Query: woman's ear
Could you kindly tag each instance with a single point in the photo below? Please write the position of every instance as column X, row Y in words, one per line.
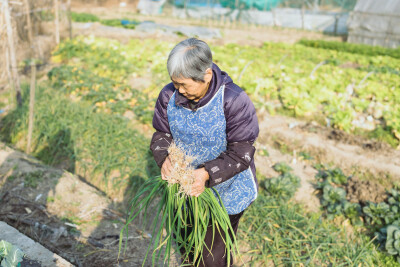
column 208, row 75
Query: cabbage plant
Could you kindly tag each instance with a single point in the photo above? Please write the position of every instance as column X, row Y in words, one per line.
column 378, row 214
column 284, row 186
column 10, row 255
column 282, row 168
column 352, row 211
column 393, row 241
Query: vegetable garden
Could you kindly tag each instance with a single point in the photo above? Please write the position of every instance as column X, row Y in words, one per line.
column 352, row 92
column 94, row 116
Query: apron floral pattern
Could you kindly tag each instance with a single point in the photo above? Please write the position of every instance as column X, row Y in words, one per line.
column 202, row 134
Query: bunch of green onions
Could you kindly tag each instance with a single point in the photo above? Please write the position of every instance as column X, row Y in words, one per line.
column 185, row 220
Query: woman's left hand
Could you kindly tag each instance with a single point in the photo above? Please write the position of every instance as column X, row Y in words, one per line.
column 200, row 178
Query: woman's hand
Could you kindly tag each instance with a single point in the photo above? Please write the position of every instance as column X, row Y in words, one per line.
column 166, row 169
column 200, row 178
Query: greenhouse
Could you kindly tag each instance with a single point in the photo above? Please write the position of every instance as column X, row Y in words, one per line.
column 375, row 23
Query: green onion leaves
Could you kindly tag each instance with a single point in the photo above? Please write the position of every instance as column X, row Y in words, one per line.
column 185, row 220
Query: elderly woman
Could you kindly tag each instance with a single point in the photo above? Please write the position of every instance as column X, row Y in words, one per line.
column 213, row 119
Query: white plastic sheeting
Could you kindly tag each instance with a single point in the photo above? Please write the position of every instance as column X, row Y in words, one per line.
column 375, row 22
column 150, row 7
column 282, row 17
column 189, row 31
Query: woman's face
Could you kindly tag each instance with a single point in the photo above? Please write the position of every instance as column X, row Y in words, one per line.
column 190, row 89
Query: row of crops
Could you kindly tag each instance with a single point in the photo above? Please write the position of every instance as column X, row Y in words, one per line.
column 81, row 115
column 86, row 17
column 104, row 148
column 352, row 92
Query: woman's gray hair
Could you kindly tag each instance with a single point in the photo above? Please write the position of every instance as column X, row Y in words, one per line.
column 189, row 59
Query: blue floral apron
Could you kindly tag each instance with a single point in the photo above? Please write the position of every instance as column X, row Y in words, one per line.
column 202, row 134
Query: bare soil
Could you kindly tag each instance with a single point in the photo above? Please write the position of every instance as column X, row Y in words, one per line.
column 303, row 169
column 29, row 263
column 349, row 152
column 374, row 166
column 64, row 213
column 365, row 191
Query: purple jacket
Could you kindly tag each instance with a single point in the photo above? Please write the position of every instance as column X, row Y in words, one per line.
column 241, row 126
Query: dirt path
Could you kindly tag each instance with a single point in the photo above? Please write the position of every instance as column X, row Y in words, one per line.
column 232, row 33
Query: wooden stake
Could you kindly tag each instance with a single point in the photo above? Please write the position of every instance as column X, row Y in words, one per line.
column 274, row 17
column 185, row 7
column 336, row 24
column 31, row 105
column 33, row 78
column 2, row 64
column 11, row 47
column 69, row 19
column 9, row 76
column 28, row 22
column 56, row 22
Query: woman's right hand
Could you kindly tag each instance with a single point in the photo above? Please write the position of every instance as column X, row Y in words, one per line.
column 166, row 169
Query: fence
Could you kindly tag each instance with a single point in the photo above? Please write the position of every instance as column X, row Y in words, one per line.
column 24, row 29
column 28, row 30
column 329, row 16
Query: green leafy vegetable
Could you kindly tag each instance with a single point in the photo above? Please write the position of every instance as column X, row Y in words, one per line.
column 352, row 211
column 329, row 176
column 393, row 241
column 378, row 214
column 10, row 255
column 283, row 186
column 333, row 199
column 333, row 195
column 84, row 17
column 282, row 167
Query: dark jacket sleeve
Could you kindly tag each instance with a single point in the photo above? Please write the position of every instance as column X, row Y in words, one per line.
column 159, row 146
column 162, row 138
column 242, row 130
